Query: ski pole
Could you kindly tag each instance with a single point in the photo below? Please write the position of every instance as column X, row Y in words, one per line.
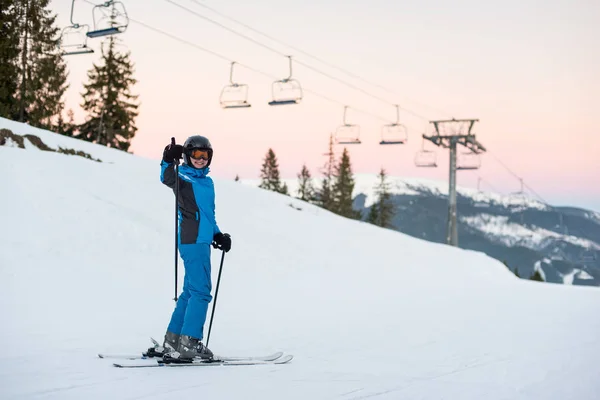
column 176, row 161
column 212, row 314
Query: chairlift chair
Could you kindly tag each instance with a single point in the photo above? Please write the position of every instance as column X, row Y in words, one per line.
column 395, row 133
column 234, row 95
column 468, row 161
column 425, row 158
column 110, row 18
column 347, row 133
column 286, row 91
column 73, row 39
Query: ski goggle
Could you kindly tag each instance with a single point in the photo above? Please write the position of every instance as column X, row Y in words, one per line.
column 199, row 154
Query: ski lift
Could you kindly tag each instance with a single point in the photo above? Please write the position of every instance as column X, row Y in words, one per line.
column 425, row 158
column 286, row 91
column 234, row 95
column 347, row 133
column 468, row 161
column 394, row 133
column 110, row 18
column 73, row 39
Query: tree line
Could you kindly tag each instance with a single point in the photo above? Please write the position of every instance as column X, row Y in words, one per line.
column 33, row 79
column 334, row 192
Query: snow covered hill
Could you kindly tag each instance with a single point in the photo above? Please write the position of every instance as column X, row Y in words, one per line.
column 562, row 243
column 86, row 265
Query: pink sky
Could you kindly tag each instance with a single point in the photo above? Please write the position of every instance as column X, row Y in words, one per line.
column 526, row 69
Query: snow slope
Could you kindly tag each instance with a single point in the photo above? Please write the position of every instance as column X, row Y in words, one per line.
column 496, row 228
column 86, row 265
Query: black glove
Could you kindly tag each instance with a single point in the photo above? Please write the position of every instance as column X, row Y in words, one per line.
column 173, row 152
column 222, row 241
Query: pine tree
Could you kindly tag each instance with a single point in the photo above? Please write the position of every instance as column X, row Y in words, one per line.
column 382, row 211
column 9, row 56
column 111, row 106
column 516, row 271
column 67, row 128
column 306, row 190
column 42, row 73
column 324, row 197
column 373, row 215
column 343, row 187
column 237, row 178
column 536, row 276
column 269, row 174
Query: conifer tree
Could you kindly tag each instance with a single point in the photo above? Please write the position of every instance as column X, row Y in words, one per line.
column 536, row 276
column 41, row 71
column 111, row 106
column 269, row 174
column 237, row 178
column 382, row 211
column 67, row 128
column 324, row 196
column 343, row 187
column 9, row 56
column 373, row 214
column 306, row 190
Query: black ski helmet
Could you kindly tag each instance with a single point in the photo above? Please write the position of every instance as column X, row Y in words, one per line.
column 197, row 142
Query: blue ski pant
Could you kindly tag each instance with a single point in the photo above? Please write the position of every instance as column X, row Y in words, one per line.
column 190, row 312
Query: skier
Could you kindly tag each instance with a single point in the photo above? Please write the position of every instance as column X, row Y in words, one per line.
column 198, row 229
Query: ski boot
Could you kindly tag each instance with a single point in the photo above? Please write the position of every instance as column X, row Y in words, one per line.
column 170, row 344
column 189, row 349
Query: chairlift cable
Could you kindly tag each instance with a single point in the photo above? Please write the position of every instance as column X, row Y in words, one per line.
column 222, row 57
column 226, row 28
column 345, row 71
column 515, row 175
column 285, row 55
column 350, row 85
column 325, row 74
column 489, row 184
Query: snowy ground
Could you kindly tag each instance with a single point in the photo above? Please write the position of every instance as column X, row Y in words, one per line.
column 86, row 266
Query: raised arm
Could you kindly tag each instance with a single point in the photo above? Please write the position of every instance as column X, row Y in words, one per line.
column 167, row 167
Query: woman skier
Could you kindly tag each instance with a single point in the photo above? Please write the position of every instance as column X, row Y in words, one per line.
column 198, row 229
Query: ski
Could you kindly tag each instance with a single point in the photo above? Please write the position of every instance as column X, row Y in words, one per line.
column 144, row 356
column 150, row 363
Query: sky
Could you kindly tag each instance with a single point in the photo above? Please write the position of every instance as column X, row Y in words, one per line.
column 366, row 312
column 525, row 69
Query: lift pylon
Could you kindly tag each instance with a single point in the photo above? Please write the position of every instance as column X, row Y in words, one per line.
column 449, row 134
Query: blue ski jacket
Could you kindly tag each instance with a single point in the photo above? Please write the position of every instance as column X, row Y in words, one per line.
column 196, row 206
